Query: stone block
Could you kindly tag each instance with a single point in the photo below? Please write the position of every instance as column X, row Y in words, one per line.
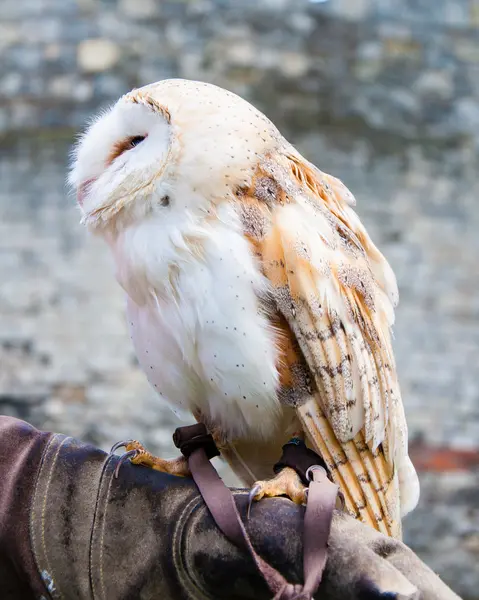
column 435, row 84
column 294, row 64
column 9, row 34
column 397, row 48
column 467, row 49
column 97, row 55
column 139, row 9
column 351, row 10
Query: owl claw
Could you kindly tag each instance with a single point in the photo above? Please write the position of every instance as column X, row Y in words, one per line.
column 130, row 454
column 252, row 493
column 115, row 447
column 286, row 483
column 137, row 455
column 127, row 455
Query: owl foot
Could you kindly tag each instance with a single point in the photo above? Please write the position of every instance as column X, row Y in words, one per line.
column 286, row 483
column 137, row 455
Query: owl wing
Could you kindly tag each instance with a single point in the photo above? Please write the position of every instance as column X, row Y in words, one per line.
column 335, row 293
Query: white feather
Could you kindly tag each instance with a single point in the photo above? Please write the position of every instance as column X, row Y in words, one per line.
column 199, row 336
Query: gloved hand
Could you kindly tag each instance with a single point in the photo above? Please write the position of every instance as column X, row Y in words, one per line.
column 70, row 529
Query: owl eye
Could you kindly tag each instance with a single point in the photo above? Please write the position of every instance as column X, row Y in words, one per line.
column 134, row 141
column 123, row 146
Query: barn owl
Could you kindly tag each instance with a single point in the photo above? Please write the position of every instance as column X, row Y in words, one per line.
column 255, row 297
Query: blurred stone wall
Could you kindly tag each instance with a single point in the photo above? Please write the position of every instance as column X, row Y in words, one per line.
column 383, row 94
column 410, row 68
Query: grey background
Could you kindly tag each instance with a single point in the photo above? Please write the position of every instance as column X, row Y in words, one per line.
column 381, row 93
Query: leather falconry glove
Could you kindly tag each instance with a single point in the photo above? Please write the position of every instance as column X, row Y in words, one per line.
column 70, row 529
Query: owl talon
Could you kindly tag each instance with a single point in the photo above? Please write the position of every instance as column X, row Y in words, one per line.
column 130, row 455
column 286, row 483
column 251, row 496
column 137, row 455
column 118, row 445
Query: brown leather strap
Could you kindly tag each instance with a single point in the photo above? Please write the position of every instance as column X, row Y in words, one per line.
column 317, row 522
column 322, row 495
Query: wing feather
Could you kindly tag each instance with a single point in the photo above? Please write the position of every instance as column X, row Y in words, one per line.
column 337, row 294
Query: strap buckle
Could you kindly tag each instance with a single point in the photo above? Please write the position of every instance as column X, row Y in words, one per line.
column 312, row 468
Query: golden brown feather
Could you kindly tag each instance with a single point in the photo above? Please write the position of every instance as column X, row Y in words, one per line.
column 326, row 349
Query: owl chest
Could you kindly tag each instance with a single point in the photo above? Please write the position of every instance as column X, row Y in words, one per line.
column 206, row 345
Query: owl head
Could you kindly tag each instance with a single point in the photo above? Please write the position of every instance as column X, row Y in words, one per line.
column 172, row 150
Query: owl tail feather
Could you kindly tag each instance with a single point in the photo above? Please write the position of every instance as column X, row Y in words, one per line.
column 366, row 479
column 408, row 485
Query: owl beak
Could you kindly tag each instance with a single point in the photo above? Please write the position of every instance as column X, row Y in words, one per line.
column 83, row 190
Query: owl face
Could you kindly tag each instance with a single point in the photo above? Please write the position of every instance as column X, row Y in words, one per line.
column 118, row 163
column 177, row 144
